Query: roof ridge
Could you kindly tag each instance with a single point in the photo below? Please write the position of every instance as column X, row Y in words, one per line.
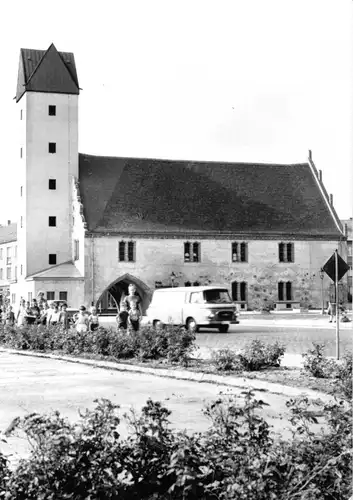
column 301, row 164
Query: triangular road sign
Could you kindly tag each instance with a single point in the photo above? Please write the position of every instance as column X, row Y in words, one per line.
column 330, row 267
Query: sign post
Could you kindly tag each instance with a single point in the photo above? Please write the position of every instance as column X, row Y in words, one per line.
column 337, row 310
column 336, row 268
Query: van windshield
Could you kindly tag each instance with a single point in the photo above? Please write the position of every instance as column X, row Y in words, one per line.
column 217, row 297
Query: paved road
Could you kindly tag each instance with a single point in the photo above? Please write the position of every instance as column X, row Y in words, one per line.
column 30, row 384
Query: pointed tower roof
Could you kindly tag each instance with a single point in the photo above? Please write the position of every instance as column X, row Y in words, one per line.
column 46, row 71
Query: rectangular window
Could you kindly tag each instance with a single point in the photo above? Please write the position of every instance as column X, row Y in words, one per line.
column 234, row 252
column 21, row 269
column 52, row 110
column 280, row 290
column 50, row 295
column 196, row 252
column 21, row 152
column 52, row 221
column 21, row 190
column 52, row 259
column 285, row 292
column 21, row 114
column 13, row 298
column 8, row 256
column 21, row 221
column 122, row 245
column 8, row 273
column 1, row 274
column 63, row 296
column 131, row 251
column 239, row 291
column 30, row 296
column 192, row 252
column 286, row 252
column 52, row 183
column 52, row 147
column 76, row 249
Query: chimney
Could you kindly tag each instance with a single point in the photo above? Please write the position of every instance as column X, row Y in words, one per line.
column 320, row 175
column 8, row 222
column 310, row 155
column 331, row 199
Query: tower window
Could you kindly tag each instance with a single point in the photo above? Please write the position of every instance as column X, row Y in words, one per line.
column 21, row 152
column 21, row 190
column 21, row 114
column 52, row 221
column 52, row 147
column 52, row 259
column 52, row 183
column 76, row 249
column 52, row 110
column 21, row 221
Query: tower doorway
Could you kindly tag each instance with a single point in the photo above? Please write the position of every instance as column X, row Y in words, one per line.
column 111, row 298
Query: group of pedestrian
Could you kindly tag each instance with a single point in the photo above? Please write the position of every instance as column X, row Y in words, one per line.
column 130, row 314
column 40, row 312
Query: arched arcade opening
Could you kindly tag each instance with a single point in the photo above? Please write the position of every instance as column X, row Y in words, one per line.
column 111, row 298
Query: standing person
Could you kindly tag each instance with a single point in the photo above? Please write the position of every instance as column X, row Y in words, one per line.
column 331, row 311
column 93, row 321
column 122, row 317
column 44, row 313
column 134, row 317
column 64, row 317
column 133, row 297
column 20, row 317
column 9, row 317
column 54, row 315
column 81, row 322
column 35, row 312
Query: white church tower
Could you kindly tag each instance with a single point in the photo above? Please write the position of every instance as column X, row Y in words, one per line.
column 47, row 102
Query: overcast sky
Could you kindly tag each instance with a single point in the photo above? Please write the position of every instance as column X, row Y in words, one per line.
column 240, row 80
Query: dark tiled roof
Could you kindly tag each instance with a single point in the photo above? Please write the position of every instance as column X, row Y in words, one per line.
column 164, row 196
column 8, row 233
column 46, row 71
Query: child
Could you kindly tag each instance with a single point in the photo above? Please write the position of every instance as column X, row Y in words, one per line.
column 54, row 316
column 93, row 320
column 10, row 317
column 81, row 322
column 134, row 317
column 64, row 318
column 122, row 317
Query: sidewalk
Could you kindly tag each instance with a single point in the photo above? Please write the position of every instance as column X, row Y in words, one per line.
column 292, row 320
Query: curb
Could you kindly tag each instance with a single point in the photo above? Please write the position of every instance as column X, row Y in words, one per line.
column 238, row 382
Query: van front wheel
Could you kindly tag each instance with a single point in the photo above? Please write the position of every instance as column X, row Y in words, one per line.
column 223, row 328
column 192, row 325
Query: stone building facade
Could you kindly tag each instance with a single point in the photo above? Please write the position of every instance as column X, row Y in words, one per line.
column 90, row 225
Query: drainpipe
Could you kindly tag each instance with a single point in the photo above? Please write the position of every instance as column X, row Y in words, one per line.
column 92, row 269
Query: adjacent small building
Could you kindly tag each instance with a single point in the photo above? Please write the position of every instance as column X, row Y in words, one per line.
column 90, row 225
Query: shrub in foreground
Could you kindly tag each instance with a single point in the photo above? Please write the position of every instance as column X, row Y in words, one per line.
column 172, row 343
column 237, row 458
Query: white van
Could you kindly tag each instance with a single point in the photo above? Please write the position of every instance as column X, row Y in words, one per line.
column 194, row 307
